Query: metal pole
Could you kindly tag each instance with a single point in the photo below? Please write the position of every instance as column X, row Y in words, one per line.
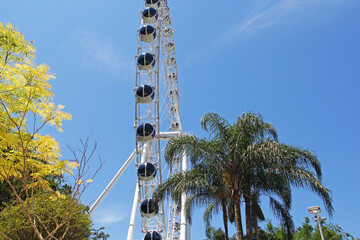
column 184, row 223
column 112, row 182
column 134, row 209
column 188, row 236
column 318, row 219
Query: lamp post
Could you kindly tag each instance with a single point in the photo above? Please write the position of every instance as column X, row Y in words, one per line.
column 316, row 210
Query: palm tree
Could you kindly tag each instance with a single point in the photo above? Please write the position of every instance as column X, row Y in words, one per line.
column 246, row 157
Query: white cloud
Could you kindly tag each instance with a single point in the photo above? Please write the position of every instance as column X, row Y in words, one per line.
column 103, row 55
column 109, row 215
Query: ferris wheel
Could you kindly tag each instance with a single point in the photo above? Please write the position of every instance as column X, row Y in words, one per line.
column 157, row 119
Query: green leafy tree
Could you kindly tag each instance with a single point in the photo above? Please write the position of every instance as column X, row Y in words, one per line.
column 306, row 232
column 273, row 233
column 97, row 234
column 332, row 232
column 48, row 211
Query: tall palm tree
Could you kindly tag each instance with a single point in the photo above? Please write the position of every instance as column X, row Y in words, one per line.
column 247, row 157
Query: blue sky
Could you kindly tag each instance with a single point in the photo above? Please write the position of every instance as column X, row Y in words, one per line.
column 297, row 62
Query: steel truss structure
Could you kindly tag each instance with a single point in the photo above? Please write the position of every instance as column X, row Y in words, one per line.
column 157, row 119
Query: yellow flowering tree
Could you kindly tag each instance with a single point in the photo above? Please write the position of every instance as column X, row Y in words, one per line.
column 26, row 154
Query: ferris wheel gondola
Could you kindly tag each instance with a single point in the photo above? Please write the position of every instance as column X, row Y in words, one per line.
column 144, row 94
column 146, row 171
column 146, row 61
column 150, row 15
column 147, row 33
column 149, row 208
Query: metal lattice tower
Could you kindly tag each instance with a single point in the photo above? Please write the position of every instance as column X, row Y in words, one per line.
column 157, row 118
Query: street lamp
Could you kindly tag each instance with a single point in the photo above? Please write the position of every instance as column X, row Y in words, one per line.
column 316, row 210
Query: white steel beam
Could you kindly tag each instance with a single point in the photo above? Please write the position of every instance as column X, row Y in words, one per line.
column 112, row 182
column 134, row 209
column 167, row 135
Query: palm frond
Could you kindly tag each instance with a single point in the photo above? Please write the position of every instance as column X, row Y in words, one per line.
column 284, row 215
column 215, row 125
column 195, row 200
column 304, row 178
column 252, row 128
column 256, row 209
column 212, row 209
column 191, row 181
column 197, row 150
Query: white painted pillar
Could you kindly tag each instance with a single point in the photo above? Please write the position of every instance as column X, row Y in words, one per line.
column 135, row 207
column 134, row 210
column 184, row 223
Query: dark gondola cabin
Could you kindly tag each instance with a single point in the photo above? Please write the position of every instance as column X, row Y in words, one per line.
column 145, row 132
column 146, row 171
column 144, row 94
column 147, row 33
column 149, row 15
column 149, row 208
column 146, row 61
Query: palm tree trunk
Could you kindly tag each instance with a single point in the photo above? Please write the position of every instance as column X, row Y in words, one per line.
column 239, row 231
column 249, row 235
column 241, row 226
column 256, row 226
column 254, row 217
column 225, row 219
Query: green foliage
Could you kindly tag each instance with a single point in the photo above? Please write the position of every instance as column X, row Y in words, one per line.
column 7, row 195
column 49, row 210
column 97, row 234
column 217, row 234
column 306, row 232
column 331, row 232
column 273, row 233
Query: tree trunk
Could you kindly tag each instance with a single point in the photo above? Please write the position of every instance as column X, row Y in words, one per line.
column 249, row 235
column 239, row 231
column 254, row 213
column 256, row 226
column 225, row 219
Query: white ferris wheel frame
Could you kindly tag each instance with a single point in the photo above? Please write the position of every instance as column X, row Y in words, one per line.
column 164, row 44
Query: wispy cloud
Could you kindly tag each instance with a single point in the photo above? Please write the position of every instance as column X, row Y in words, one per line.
column 109, row 215
column 274, row 12
column 103, row 55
